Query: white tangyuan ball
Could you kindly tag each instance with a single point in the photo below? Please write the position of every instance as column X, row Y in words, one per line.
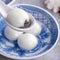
column 11, row 34
column 35, row 29
column 17, row 17
column 27, row 41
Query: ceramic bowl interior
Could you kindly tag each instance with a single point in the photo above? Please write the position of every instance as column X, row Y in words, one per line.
column 47, row 39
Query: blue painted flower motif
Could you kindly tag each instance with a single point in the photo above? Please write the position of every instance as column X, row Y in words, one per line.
column 7, row 1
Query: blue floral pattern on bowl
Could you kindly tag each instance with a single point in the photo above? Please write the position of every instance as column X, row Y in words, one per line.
column 46, row 39
column 8, row 1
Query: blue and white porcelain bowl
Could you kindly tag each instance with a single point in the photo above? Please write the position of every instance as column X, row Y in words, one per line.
column 47, row 39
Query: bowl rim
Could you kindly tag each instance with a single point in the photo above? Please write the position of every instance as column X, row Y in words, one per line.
column 9, row 56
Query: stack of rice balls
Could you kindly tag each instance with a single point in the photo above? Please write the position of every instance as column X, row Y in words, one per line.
column 26, row 40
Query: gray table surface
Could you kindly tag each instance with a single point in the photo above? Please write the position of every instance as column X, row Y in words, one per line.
column 54, row 54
